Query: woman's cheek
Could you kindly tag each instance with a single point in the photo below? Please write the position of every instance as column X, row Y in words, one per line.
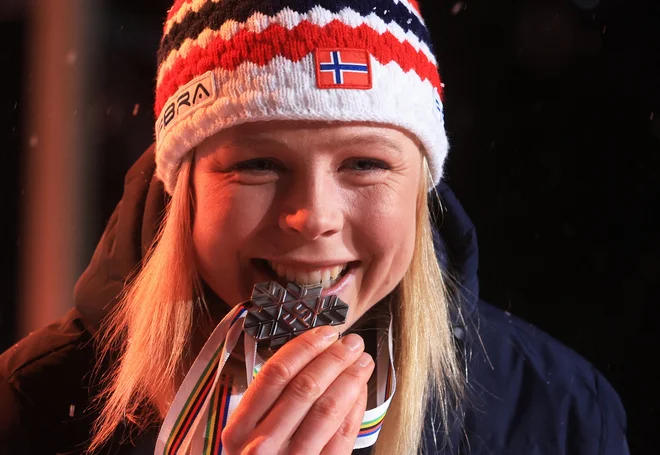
column 235, row 213
column 394, row 230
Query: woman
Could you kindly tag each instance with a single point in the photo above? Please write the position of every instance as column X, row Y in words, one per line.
column 296, row 143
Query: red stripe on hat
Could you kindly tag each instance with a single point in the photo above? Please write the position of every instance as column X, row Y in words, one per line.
column 415, row 5
column 294, row 44
column 176, row 7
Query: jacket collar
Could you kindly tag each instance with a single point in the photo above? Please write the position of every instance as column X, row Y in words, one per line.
column 455, row 240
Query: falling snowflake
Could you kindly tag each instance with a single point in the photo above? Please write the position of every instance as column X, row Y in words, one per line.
column 457, row 8
column 71, row 57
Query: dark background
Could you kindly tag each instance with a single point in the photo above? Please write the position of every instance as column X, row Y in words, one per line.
column 553, row 113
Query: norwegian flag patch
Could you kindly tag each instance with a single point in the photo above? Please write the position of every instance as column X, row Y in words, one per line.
column 343, row 68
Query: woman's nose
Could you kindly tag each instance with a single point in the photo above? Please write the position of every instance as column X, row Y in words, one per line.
column 316, row 214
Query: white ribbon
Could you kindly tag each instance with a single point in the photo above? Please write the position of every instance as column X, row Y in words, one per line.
column 226, row 334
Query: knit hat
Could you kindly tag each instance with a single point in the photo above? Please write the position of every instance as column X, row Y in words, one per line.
column 226, row 62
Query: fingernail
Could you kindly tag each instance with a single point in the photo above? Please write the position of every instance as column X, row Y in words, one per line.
column 352, row 342
column 364, row 360
column 327, row 333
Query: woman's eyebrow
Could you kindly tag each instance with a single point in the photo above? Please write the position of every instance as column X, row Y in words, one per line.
column 357, row 140
column 252, row 142
column 362, row 140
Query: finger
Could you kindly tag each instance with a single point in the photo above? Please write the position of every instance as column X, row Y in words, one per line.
column 344, row 439
column 310, row 384
column 330, row 411
column 273, row 377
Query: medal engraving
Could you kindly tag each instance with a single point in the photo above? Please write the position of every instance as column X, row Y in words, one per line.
column 276, row 314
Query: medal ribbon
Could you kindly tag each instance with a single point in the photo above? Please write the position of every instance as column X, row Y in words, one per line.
column 207, row 397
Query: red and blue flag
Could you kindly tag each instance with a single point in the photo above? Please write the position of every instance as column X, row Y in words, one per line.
column 343, row 68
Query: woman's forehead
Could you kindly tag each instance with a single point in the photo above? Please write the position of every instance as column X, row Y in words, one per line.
column 321, row 135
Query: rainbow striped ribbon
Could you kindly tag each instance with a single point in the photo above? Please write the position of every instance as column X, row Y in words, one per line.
column 192, row 399
column 218, row 415
column 207, row 397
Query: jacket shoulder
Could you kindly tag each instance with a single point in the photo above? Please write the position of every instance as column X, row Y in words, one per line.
column 47, row 346
column 529, row 393
column 45, row 386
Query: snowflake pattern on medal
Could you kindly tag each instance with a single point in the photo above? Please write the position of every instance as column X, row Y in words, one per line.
column 277, row 314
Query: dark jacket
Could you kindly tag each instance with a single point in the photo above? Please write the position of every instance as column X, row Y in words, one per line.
column 527, row 393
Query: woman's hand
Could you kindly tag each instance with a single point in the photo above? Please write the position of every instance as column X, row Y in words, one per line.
column 308, row 398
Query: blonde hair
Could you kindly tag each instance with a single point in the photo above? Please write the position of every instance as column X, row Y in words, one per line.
column 149, row 333
column 425, row 356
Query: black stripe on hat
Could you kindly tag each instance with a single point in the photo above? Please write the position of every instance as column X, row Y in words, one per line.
column 213, row 14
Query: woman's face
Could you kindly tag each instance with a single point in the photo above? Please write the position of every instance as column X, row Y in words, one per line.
column 306, row 202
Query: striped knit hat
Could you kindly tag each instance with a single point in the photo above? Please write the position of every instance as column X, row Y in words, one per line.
column 226, row 62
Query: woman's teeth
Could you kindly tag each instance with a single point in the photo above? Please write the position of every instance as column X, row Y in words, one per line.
column 326, row 277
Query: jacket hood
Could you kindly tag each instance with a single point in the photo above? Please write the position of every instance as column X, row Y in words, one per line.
column 127, row 237
column 134, row 223
column 455, row 239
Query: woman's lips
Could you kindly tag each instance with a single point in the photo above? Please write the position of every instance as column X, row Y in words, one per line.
column 306, row 274
column 344, row 280
column 346, row 276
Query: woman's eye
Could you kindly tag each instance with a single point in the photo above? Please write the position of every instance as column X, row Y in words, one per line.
column 257, row 165
column 367, row 164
